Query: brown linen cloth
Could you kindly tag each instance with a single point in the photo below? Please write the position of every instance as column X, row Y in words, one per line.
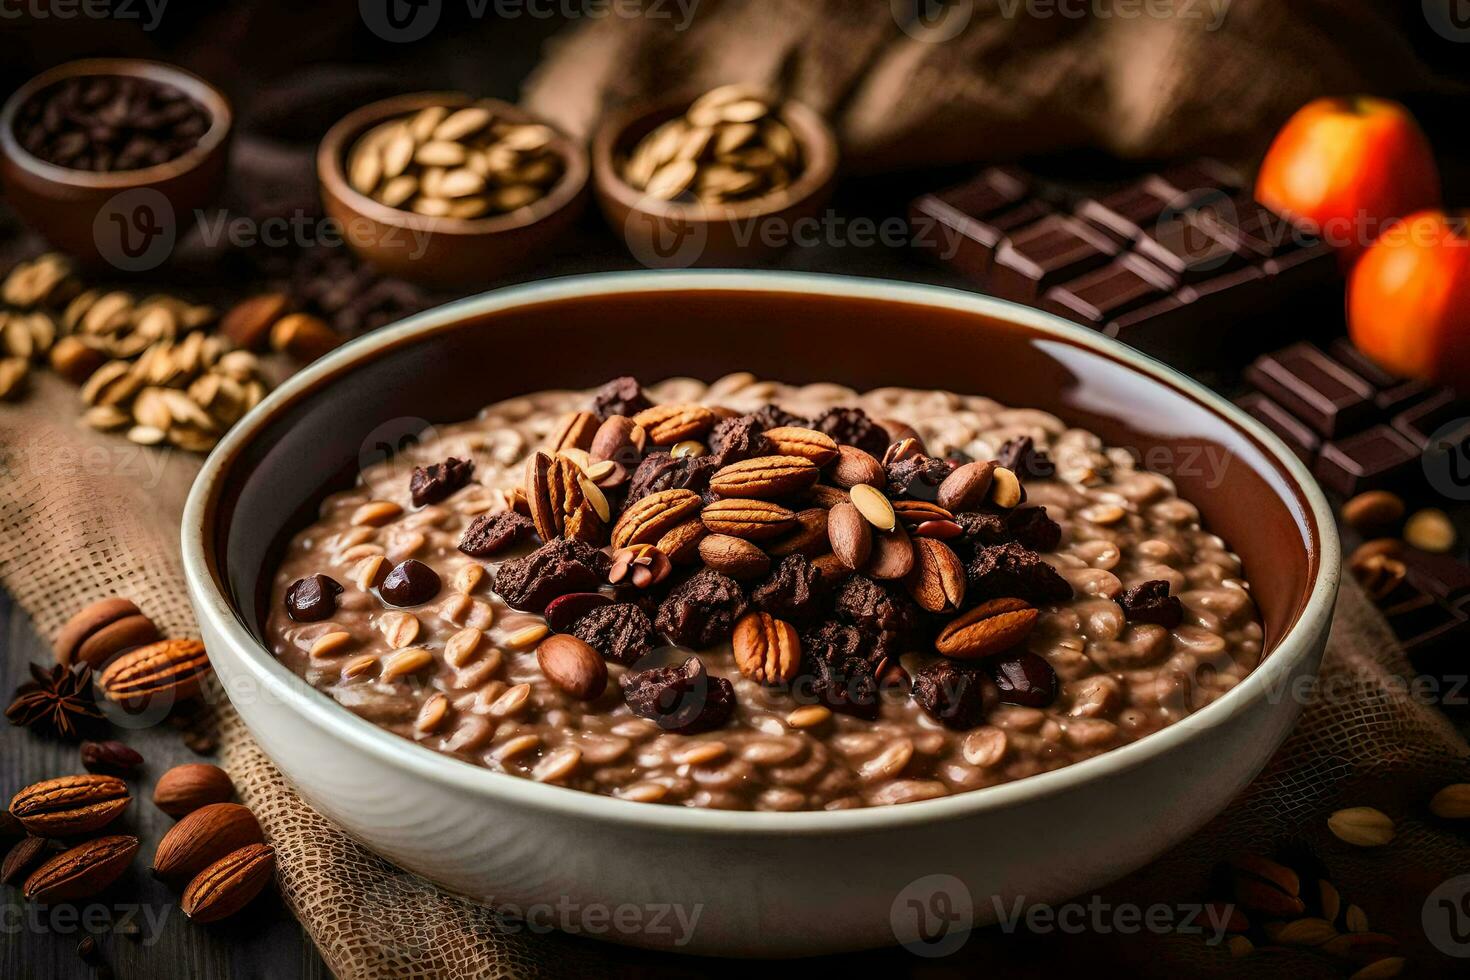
column 83, row 515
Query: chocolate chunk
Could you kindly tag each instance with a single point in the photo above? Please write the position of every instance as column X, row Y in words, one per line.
column 1010, row 571
column 839, row 661
column 490, row 534
column 1292, row 431
column 1047, row 252
column 1096, row 297
column 409, row 583
column 1024, row 678
column 791, row 592
column 973, row 218
column 702, row 611
column 883, row 610
column 1188, row 248
column 957, row 697
column 312, row 599
column 852, row 427
column 738, row 439
column 1394, row 394
column 431, row 484
column 620, row 396
column 563, row 611
column 1314, row 388
column 685, row 699
column 1030, row 527
column 556, row 568
column 1419, row 423
column 660, row 471
column 1125, row 213
column 917, row 477
column 1375, row 458
column 1150, row 602
column 1021, row 457
column 621, row 632
column 773, row 416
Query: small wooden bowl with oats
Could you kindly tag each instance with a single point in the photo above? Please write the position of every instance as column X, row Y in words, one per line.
column 727, row 178
column 448, row 190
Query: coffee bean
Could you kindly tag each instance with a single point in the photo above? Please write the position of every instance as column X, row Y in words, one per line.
column 313, row 598
column 410, row 583
column 110, row 123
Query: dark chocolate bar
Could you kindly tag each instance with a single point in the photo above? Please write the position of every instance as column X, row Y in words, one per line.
column 1053, row 250
column 1315, row 388
column 1291, row 430
column 1122, row 285
column 1376, row 458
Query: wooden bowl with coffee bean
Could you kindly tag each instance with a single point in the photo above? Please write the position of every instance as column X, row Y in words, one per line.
column 448, row 190
column 730, row 177
column 108, row 157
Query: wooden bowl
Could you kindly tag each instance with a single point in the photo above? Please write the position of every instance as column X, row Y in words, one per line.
column 446, row 252
column 676, row 234
column 92, row 215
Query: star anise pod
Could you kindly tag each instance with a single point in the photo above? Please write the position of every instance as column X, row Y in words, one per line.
column 58, row 702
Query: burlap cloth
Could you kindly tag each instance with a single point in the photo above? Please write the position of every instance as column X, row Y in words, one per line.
column 84, row 515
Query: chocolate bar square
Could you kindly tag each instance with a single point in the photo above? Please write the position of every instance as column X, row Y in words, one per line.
column 1301, row 439
column 1313, row 387
column 1372, row 459
column 964, row 224
column 1047, row 252
column 1094, row 297
column 1124, row 214
column 1419, row 423
column 1394, row 394
column 1184, row 245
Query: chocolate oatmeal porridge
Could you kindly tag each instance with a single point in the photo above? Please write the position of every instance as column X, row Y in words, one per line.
column 750, row 595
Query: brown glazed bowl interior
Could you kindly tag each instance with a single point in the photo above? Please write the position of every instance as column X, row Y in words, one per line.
column 446, row 252
column 663, row 233
column 64, row 204
column 445, row 365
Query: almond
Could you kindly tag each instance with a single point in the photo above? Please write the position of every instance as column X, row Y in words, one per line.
column 967, row 487
column 853, row 466
column 556, row 492
column 184, row 789
column 82, row 871
column 203, row 837
column 70, row 805
column 229, row 884
column 101, row 630
column 754, row 520
column 764, row 477
column 767, row 649
column 993, row 626
column 850, row 534
column 734, row 557
column 893, row 555
column 647, row 520
column 572, row 665
column 808, row 538
column 681, row 543
column 620, row 440
column 1452, row 802
column 304, row 337
column 576, row 430
column 668, row 424
column 937, row 581
column 825, row 496
column 794, row 440
column 1373, row 510
column 168, row 671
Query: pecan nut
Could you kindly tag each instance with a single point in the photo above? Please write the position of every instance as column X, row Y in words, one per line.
column 576, row 430
column 764, row 477
column 169, row 669
column 648, row 520
column 795, row 440
column 668, row 424
column 70, row 805
column 990, row 628
column 560, row 502
column 229, row 884
column 937, row 581
column 767, row 649
column 754, row 520
column 82, row 871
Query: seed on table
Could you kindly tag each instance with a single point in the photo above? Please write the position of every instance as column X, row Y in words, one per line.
column 1356, row 920
column 1362, row 826
column 1430, row 530
column 1452, row 802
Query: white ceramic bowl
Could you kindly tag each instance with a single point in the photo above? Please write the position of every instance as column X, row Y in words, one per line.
column 760, row 884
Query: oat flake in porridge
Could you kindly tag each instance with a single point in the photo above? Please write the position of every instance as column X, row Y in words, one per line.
column 750, row 595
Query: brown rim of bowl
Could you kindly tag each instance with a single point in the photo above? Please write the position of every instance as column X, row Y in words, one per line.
column 220, row 120
column 818, row 147
column 332, row 152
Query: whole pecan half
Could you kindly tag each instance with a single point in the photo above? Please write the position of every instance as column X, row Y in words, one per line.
column 668, row 424
column 648, row 520
column 754, row 520
column 990, row 628
column 764, row 477
column 171, row 670
column 70, row 805
column 767, row 650
column 228, row 885
column 82, row 871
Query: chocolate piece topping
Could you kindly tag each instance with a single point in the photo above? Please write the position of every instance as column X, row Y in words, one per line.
column 660, row 471
column 918, row 477
column 1151, row 602
column 556, row 568
column 312, row 599
column 702, row 611
column 621, row 632
column 409, row 583
column 957, row 697
column 852, row 427
column 620, row 396
column 1010, row 571
column 431, row 484
column 1024, row 678
column 839, row 661
column 490, row 534
column 772, row 416
column 738, row 439
column 791, row 592
column 1022, row 458
column 685, row 699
